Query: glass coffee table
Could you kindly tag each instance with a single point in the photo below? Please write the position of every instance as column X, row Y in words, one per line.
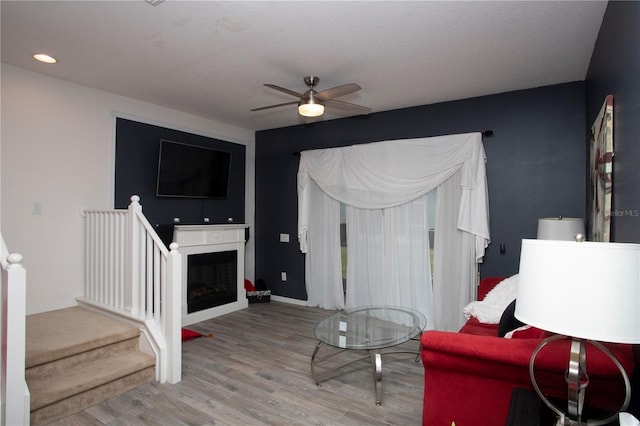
column 371, row 329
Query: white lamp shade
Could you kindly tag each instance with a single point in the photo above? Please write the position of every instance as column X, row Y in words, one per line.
column 560, row 228
column 587, row 290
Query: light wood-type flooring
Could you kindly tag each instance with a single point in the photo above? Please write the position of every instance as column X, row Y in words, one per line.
column 255, row 370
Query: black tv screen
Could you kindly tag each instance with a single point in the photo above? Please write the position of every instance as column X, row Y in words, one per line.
column 192, row 171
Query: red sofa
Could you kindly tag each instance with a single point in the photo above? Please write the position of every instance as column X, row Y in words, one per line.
column 469, row 375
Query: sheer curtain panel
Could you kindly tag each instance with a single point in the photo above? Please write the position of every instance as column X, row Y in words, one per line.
column 323, row 264
column 389, row 257
column 454, row 281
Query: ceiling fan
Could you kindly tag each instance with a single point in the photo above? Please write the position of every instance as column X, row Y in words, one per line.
column 312, row 103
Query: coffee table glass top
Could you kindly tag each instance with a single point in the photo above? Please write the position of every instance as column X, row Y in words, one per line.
column 373, row 327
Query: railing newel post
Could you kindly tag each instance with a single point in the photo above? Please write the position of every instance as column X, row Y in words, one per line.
column 173, row 314
column 15, row 393
column 132, row 282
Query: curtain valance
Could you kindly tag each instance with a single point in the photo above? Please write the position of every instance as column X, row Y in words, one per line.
column 390, row 173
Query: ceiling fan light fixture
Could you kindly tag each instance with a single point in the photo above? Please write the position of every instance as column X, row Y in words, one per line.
column 311, row 107
column 311, row 104
column 311, row 110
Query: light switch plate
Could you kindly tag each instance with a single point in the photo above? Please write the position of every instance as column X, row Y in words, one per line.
column 284, row 238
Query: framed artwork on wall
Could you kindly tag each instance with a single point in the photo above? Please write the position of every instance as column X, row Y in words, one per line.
column 601, row 155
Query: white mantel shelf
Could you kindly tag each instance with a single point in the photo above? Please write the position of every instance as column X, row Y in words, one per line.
column 197, row 239
column 197, row 235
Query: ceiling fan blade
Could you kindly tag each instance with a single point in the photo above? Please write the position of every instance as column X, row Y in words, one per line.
column 336, row 92
column 275, row 106
column 282, row 89
column 347, row 106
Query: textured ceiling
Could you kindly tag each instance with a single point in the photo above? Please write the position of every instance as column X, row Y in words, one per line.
column 211, row 58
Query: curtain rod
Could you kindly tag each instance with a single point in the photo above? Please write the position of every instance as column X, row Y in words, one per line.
column 486, row 133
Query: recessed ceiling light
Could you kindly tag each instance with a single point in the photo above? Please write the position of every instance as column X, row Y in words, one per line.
column 45, row 58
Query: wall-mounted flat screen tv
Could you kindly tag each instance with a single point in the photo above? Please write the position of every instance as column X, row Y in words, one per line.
column 192, row 171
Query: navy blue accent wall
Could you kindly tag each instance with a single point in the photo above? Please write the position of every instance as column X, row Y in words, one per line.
column 136, row 168
column 615, row 70
column 535, row 168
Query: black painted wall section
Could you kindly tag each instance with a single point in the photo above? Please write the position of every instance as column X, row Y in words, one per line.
column 536, row 164
column 615, row 70
column 136, row 168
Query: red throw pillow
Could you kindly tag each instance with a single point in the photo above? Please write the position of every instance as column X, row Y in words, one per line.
column 248, row 286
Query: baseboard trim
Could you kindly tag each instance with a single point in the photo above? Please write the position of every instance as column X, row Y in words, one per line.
column 289, row 300
column 49, row 308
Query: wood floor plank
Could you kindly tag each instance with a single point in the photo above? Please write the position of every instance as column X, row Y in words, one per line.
column 255, row 370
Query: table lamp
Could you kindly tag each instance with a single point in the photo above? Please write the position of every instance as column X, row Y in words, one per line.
column 560, row 228
column 585, row 291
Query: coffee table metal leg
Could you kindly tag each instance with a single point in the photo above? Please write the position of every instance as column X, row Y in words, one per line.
column 376, row 364
column 313, row 357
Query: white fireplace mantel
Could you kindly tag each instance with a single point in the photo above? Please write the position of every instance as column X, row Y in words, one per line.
column 197, row 239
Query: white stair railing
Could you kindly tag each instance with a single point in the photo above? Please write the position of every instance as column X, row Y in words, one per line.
column 14, row 393
column 130, row 272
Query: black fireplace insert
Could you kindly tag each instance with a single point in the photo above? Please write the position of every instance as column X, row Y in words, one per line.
column 211, row 280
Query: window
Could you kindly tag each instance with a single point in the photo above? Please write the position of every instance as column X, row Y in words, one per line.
column 388, row 248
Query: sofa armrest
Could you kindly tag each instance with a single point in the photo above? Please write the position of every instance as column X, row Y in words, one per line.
column 469, row 377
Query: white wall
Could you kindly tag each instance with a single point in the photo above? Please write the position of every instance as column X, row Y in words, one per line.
column 57, row 152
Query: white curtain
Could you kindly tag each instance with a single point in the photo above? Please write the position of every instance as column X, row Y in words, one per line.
column 323, row 269
column 388, row 174
column 389, row 258
column 454, row 281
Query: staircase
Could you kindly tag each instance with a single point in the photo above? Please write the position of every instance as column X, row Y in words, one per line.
column 76, row 358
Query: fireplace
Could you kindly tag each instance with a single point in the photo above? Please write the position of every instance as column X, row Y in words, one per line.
column 211, row 280
column 213, row 270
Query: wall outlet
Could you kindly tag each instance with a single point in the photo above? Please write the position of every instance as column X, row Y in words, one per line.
column 284, row 238
column 283, row 276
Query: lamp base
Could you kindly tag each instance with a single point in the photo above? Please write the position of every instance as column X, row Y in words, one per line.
column 526, row 409
column 577, row 382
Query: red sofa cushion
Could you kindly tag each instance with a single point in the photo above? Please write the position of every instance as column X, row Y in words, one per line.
column 475, row 327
